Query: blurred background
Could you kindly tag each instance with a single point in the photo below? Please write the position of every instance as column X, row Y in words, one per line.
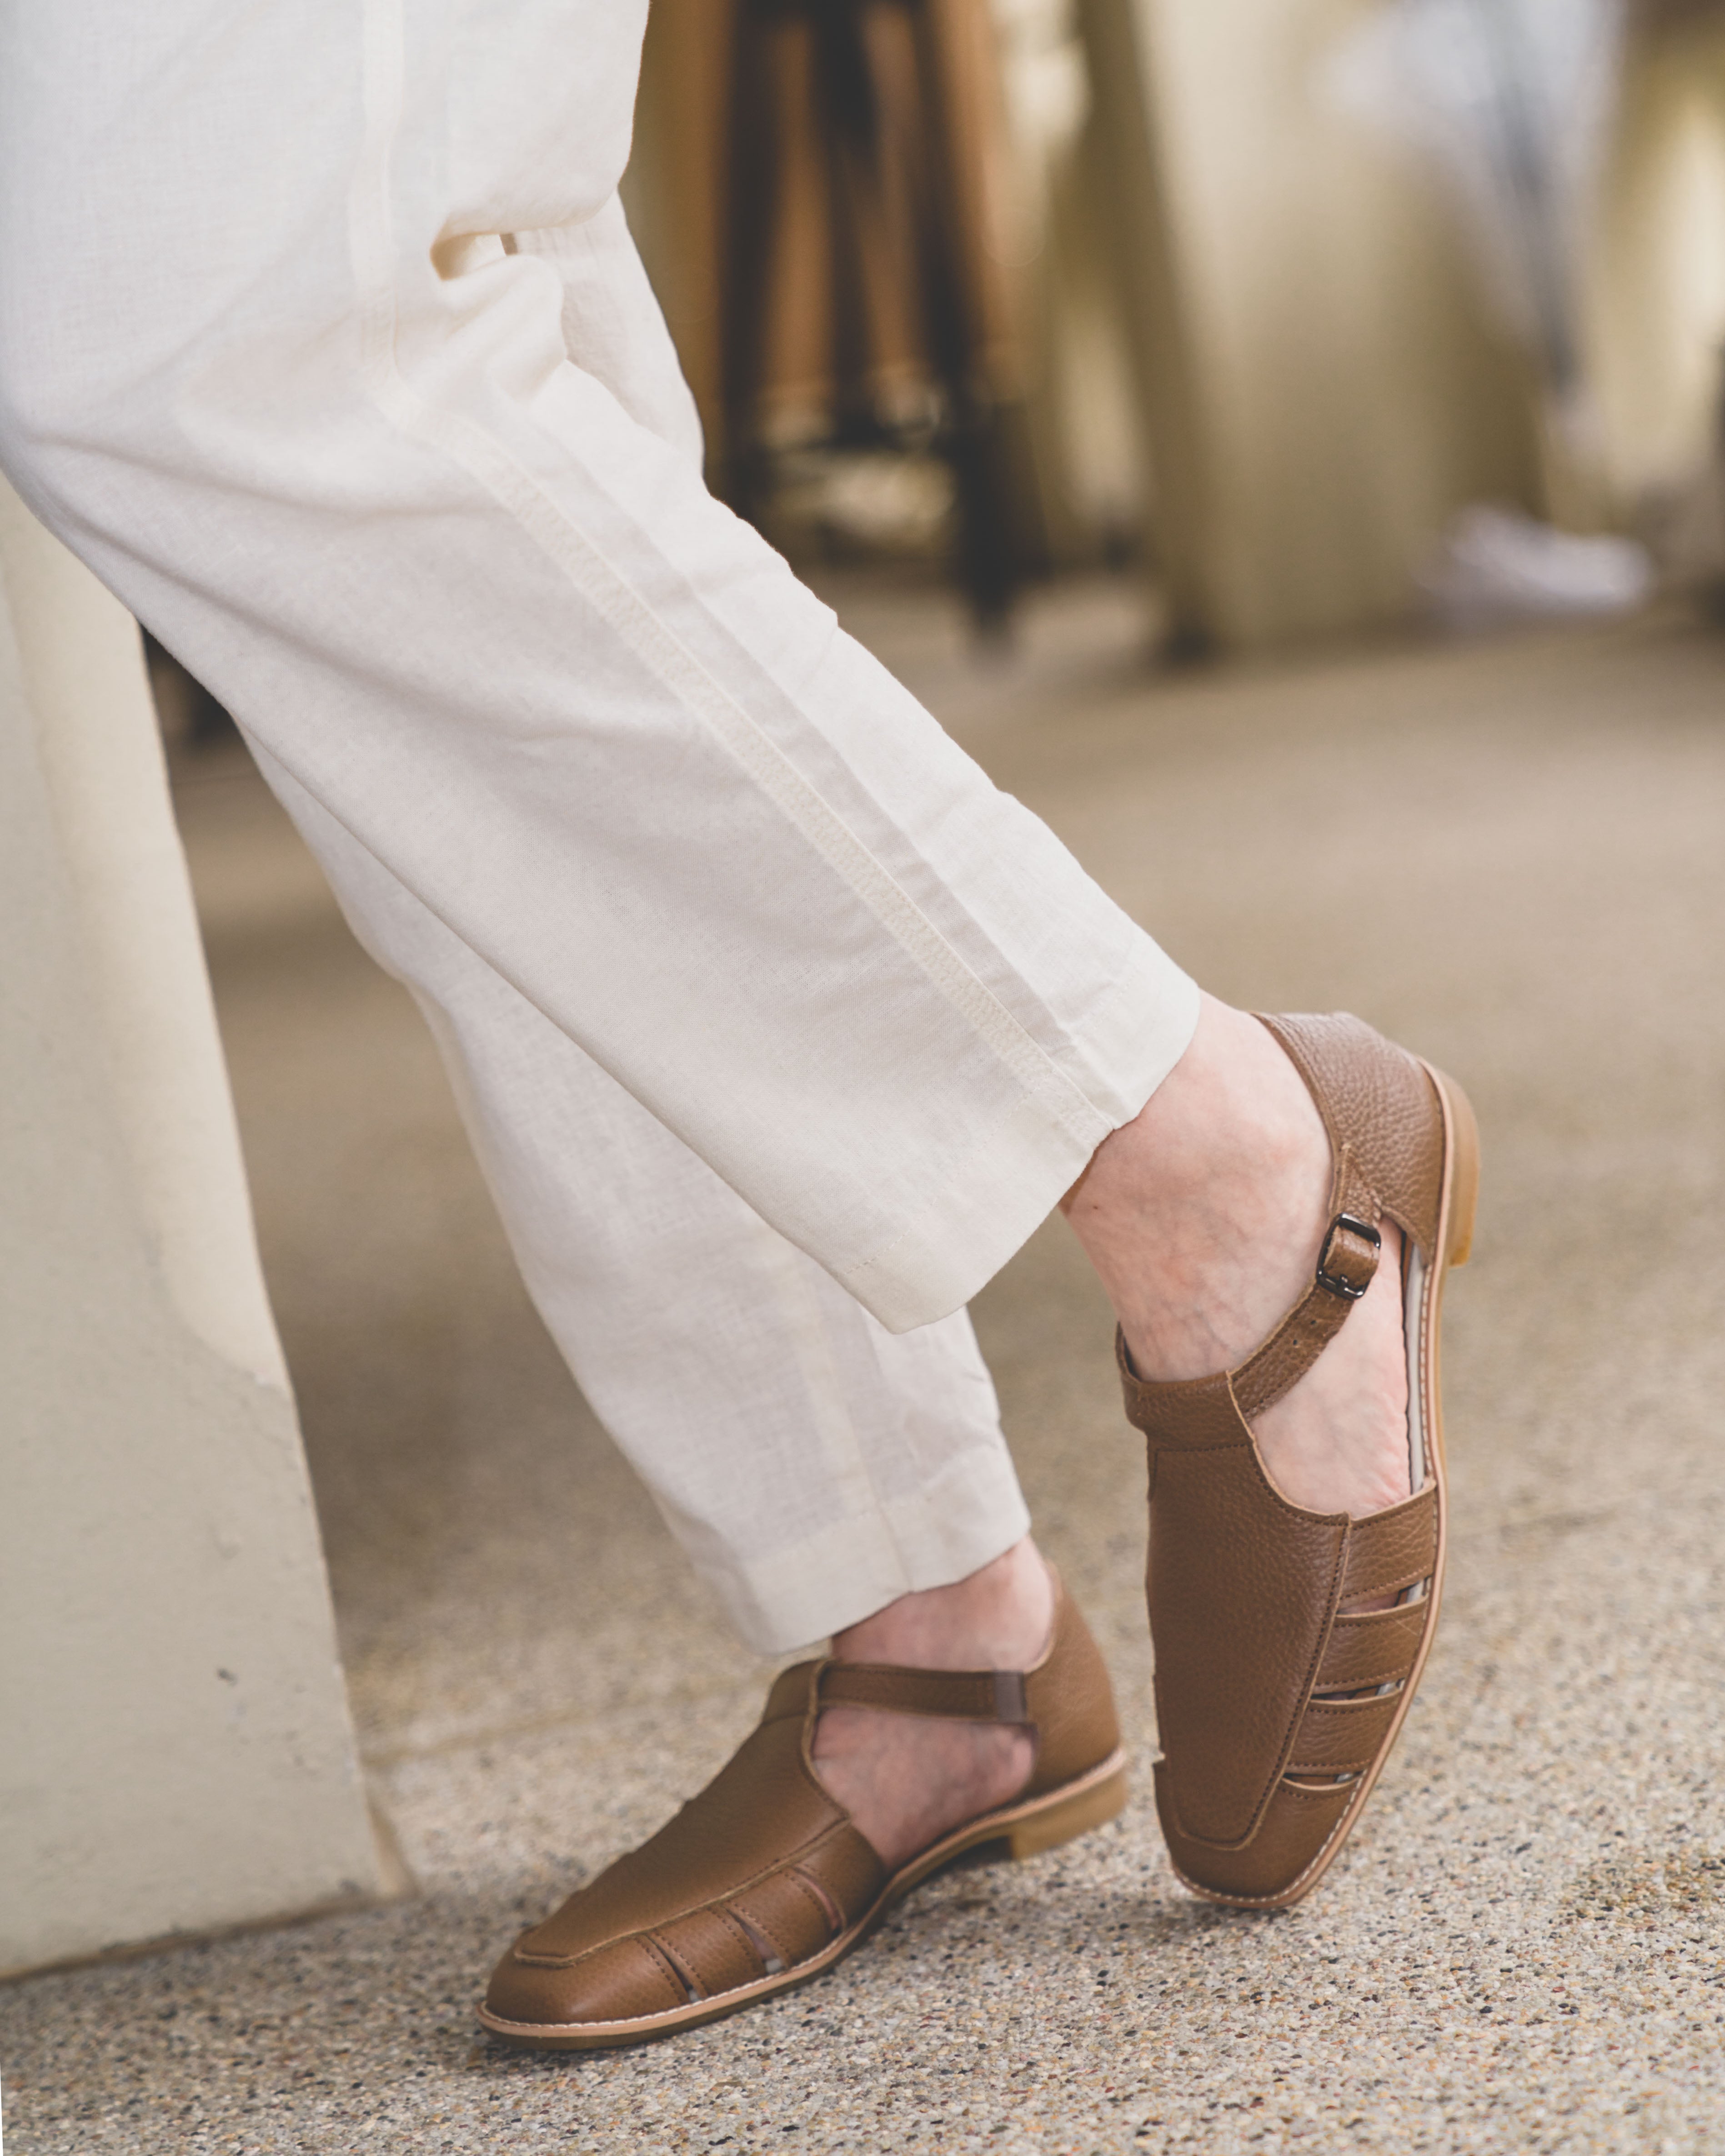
column 1261, row 297
column 1319, row 319
column 1281, row 440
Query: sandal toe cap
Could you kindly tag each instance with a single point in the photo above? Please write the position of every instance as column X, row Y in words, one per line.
column 623, row 1980
column 1298, row 1826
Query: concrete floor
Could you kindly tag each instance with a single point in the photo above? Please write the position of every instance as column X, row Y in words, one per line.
column 1510, row 856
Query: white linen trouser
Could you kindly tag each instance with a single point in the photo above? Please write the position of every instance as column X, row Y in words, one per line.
column 322, row 340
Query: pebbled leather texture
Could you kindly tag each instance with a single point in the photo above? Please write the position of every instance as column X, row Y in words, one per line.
column 1070, row 1704
column 1277, row 1697
column 1227, row 1686
column 763, row 1871
column 1378, row 1104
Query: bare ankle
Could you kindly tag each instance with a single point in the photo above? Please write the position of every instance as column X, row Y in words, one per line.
column 1203, row 1216
column 905, row 1780
column 1203, row 1219
column 997, row 1617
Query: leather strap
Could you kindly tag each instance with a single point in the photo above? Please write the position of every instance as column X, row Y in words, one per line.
column 1372, row 1647
column 1347, row 1266
column 950, row 1695
column 1389, row 1550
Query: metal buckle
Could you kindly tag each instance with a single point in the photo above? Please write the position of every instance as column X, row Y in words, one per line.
column 1333, row 1282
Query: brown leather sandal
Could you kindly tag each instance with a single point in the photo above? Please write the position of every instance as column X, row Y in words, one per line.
column 1278, row 1696
column 763, row 1882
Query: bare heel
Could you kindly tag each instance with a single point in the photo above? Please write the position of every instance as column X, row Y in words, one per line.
column 1074, row 1815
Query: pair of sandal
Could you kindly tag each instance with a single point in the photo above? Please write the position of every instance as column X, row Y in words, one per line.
column 1288, row 1644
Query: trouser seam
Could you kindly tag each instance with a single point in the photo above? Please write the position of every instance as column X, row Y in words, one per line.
column 407, row 410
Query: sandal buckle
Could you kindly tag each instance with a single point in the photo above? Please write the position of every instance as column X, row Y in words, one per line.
column 1349, row 1290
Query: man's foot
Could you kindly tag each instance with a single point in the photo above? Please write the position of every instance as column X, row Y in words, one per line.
column 905, row 1779
column 764, row 1880
column 1203, row 1217
column 1253, row 1242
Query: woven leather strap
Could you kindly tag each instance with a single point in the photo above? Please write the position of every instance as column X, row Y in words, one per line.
column 950, row 1695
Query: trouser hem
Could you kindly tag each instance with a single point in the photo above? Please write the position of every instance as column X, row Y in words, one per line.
column 1019, row 1169
column 969, row 1513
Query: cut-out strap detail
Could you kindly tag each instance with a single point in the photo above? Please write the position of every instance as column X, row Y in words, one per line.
column 1389, row 1550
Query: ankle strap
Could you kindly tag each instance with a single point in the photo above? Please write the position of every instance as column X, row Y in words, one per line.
column 1171, row 1411
column 951, row 1695
column 1352, row 1077
column 1346, row 1265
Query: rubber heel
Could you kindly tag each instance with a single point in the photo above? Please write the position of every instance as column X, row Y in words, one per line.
column 1065, row 1821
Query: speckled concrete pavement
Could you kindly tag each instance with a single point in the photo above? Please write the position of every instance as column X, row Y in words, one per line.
column 1510, row 856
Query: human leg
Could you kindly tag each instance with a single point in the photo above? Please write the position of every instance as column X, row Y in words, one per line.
column 340, row 460
column 489, row 621
column 1202, row 1246
column 814, row 1467
column 823, row 1474
column 613, row 328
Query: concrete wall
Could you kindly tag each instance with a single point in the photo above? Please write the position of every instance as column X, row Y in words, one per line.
column 177, row 1754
